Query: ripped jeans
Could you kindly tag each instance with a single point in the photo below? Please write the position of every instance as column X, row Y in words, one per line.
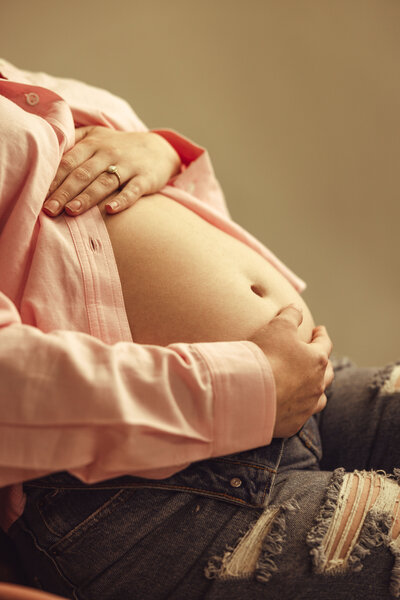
column 313, row 516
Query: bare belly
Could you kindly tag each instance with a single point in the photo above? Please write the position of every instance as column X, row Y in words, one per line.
column 184, row 280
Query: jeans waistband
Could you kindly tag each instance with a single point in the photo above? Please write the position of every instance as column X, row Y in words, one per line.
column 245, row 478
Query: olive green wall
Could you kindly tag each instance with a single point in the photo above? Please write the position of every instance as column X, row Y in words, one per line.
column 298, row 102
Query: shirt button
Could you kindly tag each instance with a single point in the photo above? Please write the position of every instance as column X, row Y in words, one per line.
column 32, row 98
column 235, row 482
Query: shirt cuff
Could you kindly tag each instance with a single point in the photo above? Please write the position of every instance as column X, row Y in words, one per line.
column 244, row 395
column 187, row 150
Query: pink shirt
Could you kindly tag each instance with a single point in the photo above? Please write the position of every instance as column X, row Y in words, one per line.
column 76, row 393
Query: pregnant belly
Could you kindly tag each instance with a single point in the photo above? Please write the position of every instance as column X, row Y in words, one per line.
column 184, row 280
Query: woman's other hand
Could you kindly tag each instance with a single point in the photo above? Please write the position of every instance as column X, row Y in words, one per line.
column 145, row 162
column 302, row 371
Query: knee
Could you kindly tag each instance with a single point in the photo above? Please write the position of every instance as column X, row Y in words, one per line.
column 362, row 496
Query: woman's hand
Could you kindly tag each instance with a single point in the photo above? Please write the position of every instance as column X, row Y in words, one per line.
column 302, row 371
column 144, row 161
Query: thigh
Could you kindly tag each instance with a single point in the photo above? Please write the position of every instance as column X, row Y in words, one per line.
column 316, row 540
column 360, row 424
column 128, row 543
column 154, row 545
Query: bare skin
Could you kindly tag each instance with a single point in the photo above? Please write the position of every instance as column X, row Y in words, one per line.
column 231, row 294
column 81, row 181
column 302, row 371
column 185, row 280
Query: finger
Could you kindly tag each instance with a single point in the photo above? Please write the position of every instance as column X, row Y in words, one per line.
column 72, row 162
column 82, row 132
column 74, row 156
column 321, row 338
column 132, row 191
column 101, row 187
column 292, row 313
column 329, row 375
column 73, row 185
column 320, row 405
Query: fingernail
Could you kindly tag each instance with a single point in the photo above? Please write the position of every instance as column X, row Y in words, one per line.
column 53, row 206
column 74, row 206
column 113, row 205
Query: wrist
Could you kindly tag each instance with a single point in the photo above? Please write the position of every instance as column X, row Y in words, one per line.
column 171, row 153
column 187, row 150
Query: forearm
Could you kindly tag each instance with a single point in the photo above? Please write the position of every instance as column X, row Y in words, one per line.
column 70, row 402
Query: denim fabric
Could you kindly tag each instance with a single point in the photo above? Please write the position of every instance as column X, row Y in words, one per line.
column 148, row 539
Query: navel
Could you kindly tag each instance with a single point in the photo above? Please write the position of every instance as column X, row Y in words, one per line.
column 258, row 289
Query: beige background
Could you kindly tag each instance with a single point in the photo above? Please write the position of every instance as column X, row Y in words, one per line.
column 298, row 102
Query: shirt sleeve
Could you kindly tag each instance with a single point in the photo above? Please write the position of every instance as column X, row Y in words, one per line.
column 197, row 176
column 68, row 401
column 90, row 105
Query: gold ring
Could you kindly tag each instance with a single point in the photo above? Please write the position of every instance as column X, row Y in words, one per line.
column 112, row 169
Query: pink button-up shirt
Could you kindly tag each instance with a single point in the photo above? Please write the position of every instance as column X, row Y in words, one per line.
column 76, row 393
